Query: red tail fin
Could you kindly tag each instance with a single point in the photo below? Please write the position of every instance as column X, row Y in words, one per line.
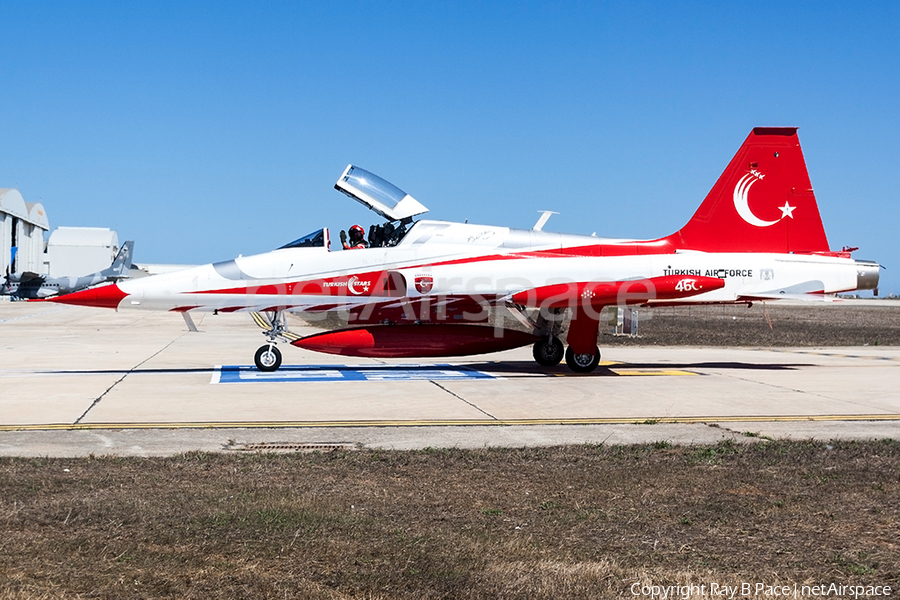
column 763, row 202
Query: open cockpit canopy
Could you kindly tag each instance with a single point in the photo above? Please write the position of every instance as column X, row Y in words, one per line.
column 379, row 195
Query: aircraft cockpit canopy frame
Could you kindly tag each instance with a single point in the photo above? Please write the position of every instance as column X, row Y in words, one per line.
column 316, row 239
column 378, row 194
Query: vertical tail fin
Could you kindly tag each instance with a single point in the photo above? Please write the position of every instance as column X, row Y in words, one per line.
column 763, row 202
column 122, row 263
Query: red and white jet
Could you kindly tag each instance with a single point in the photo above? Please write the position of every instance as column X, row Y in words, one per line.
column 435, row 288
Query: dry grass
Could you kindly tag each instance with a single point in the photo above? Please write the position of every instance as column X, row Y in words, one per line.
column 566, row 522
column 765, row 325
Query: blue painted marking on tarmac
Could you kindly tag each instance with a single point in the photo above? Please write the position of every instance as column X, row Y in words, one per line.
column 319, row 373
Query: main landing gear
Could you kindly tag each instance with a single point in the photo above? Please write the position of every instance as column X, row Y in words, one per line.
column 549, row 352
column 582, row 363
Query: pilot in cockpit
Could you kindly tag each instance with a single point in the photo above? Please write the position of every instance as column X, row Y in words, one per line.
column 357, row 238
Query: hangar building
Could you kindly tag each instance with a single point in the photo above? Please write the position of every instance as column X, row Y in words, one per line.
column 77, row 251
column 22, row 227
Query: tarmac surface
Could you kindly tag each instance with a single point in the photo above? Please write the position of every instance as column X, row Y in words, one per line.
column 77, row 381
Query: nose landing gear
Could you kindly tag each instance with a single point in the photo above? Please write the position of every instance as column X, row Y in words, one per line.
column 274, row 326
column 268, row 358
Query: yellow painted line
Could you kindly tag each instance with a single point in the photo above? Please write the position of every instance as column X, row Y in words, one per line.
column 643, row 420
column 670, row 373
column 624, row 370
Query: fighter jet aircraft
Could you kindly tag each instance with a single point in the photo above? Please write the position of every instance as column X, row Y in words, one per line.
column 436, row 288
column 32, row 286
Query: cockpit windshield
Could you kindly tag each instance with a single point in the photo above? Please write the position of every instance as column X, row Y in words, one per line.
column 316, row 239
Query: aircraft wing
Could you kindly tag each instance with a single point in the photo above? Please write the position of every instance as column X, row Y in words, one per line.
column 29, row 279
column 807, row 291
column 607, row 293
column 462, row 330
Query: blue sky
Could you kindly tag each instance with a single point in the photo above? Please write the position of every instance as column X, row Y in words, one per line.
column 207, row 130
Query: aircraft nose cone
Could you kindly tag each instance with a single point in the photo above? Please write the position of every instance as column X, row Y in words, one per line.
column 107, row 296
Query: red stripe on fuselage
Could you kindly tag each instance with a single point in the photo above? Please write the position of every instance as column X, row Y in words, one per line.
column 334, row 286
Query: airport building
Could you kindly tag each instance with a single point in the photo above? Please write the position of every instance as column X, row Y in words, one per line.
column 22, row 228
column 69, row 251
column 77, row 251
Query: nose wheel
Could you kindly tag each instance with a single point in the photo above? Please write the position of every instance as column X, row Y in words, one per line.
column 582, row 363
column 274, row 326
column 267, row 358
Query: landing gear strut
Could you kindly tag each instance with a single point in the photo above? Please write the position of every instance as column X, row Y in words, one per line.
column 548, row 352
column 268, row 356
column 582, row 363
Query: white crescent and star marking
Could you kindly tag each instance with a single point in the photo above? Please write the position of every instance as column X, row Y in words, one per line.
column 352, row 282
column 742, row 188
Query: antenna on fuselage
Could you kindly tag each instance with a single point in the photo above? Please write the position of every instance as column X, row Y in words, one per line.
column 542, row 220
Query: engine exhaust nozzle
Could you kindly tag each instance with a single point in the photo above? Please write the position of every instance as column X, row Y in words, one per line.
column 867, row 273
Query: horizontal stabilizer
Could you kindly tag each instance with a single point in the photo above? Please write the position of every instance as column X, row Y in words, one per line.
column 799, row 297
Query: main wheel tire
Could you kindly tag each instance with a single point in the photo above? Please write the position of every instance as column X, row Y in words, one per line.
column 267, row 358
column 582, row 363
column 548, row 352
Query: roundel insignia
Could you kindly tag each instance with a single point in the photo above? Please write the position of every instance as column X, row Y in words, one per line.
column 424, row 284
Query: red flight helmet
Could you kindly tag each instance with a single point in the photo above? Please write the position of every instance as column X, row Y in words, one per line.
column 357, row 233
